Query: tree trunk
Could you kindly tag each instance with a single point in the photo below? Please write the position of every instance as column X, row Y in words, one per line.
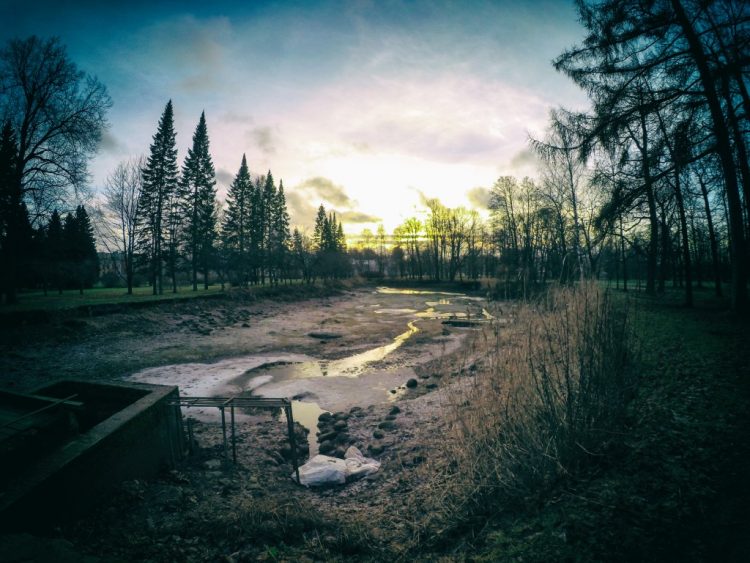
column 686, row 262
column 712, row 239
column 724, row 149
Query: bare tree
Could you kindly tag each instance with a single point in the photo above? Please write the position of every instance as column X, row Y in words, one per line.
column 122, row 193
column 58, row 113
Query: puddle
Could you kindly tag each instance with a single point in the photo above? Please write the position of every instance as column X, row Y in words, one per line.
column 395, row 311
column 396, row 291
column 307, row 415
column 319, row 385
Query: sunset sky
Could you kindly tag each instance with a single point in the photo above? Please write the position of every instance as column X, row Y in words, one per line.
column 365, row 106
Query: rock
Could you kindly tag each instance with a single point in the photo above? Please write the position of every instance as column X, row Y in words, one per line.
column 245, row 325
column 431, row 386
column 387, row 425
column 327, row 436
column 375, row 449
column 394, row 410
column 378, row 434
column 342, row 438
column 326, row 447
column 339, row 453
column 340, row 425
column 393, row 391
column 412, row 383
column 325, row 417
column 340, row 416
column 355, row 410
column 324, row 335
column 390, row 417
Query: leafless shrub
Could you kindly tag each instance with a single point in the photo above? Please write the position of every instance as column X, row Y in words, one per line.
column 549, row 400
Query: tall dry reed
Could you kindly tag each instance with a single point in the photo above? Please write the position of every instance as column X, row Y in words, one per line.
column 548, row 401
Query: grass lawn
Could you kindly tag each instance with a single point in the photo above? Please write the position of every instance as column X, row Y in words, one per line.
column 68, row 299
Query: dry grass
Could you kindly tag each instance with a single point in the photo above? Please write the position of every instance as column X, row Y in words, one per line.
column 548, row 400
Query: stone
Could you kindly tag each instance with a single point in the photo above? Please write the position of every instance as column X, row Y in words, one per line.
column 387, row 425
column 326, row 447
column 378, row 434
column 412, row 383
column 327, row 436
column 340, row 425
column 375, row 449
column 342, row 438
column 325, row 417
column 394, row 410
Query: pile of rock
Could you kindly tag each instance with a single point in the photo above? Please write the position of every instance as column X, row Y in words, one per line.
column 333, row 434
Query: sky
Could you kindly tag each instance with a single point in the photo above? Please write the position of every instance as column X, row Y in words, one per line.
column 369, row 107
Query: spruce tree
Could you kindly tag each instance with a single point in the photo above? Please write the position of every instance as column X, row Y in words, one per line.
column 320, row 226
column 86, row 249
column 10, row 202
column 268, row 197
column 198, row 198
column 279, row 231
column 159, row 185
column 237, row 223
column 54, row 250
column 256, row 229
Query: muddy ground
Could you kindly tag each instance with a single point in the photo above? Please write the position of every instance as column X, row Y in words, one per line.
column 210, row 508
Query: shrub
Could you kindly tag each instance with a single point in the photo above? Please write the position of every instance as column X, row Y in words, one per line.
column 548, row 402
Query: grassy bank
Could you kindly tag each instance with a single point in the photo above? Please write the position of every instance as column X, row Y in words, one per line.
column 663, row 480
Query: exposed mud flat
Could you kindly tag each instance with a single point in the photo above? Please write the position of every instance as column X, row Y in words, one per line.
column 353, row 377
column 373, row 343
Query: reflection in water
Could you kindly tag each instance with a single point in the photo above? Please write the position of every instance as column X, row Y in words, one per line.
column 351, row 366
column 307, row 415
column 395, row 291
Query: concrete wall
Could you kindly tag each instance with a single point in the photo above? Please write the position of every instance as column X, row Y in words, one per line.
column 135, row 442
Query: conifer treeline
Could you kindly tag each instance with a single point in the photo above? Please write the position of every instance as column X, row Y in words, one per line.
column 179, row 226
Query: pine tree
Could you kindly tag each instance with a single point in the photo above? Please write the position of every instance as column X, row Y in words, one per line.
column 320, row 226
column 279, row 232
column 198, row 199
column 236, row 229
column 159, row 185
column 267, row 199
column 54, row 250
column 10, row 214
column 256, row 229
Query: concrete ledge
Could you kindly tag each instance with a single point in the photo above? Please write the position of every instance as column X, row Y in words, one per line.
column 134, row 442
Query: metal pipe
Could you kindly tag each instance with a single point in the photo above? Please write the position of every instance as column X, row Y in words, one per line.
column 292, row 439
column 234, row 438
column 224, row 430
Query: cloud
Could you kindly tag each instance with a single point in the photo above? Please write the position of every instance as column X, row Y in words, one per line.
column 326, row 189
column 357, row 217
column 301, row 211
column 264, row 139
column 111, row 144
column 479, row 197
column 195, row 51
column 224, row 177
column 524, row 161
